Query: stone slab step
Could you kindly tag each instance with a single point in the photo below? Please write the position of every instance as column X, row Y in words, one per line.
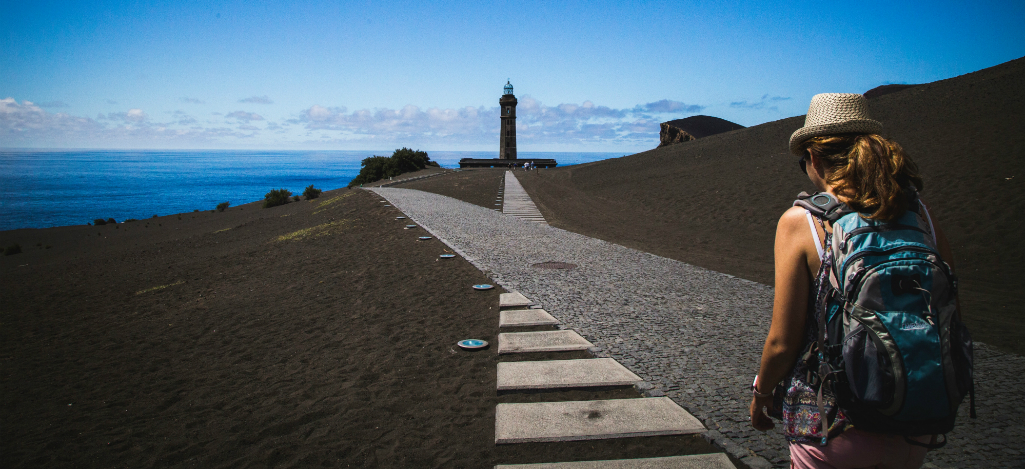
column 518, row 203
column 554, row 374
column 591, row 420
column 513, row 300
column 693, row 461
column 542, row 341
column 525, row 317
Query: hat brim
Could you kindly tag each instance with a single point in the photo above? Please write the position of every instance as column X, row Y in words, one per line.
column 860, row 126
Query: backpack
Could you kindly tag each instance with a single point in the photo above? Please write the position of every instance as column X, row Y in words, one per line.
column 896, row 354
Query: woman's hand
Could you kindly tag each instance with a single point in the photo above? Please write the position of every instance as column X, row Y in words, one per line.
column 759, row 419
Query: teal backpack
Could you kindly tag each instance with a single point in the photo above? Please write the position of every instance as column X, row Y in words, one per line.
column 897, row 356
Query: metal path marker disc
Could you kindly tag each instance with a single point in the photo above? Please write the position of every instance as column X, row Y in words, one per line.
column 409, row 227
column 483, row 286
column 387, row 205
column 447, row 256
column 472, row 344
column 424, row 238
column 400, row 218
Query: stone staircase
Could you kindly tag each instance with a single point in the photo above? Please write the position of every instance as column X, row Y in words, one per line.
column 534, row 422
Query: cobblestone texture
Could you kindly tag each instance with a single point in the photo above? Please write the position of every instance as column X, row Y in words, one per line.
column 695, row 335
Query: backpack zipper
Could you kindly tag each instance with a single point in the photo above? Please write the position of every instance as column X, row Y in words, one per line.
column 856, row 278
column 884, row 252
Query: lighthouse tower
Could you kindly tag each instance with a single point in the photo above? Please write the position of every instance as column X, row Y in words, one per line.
column 507, row 139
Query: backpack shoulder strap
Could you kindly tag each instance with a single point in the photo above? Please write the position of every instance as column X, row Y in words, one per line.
column 822, row 205
column 928, row 218
column 815, row 234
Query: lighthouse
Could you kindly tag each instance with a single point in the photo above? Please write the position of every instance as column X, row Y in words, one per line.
column 507, row 137
column 507, row 140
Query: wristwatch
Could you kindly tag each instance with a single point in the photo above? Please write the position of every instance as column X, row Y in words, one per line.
column 754, row 389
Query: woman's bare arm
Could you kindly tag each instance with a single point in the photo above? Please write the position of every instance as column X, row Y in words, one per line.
column 793, row 243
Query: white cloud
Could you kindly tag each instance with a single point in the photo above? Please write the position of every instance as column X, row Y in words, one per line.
column 765, row 102
column 566, row 123
column 25, row 120
column 132, row 116
column 135, row 115
column 257, row 100
column 670, row 106
column 26, row 124
column 244, row 116
column 319, row 114
column 585, row 124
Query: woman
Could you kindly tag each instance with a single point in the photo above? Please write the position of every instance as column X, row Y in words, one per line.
column 842, row 154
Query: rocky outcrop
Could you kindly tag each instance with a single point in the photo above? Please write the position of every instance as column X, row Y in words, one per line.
column 692, row 128
column 669, row 135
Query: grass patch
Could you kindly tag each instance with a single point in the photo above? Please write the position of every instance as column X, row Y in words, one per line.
column 219, row 231
column 314, row 231
column 323, row 205
column 161, row 287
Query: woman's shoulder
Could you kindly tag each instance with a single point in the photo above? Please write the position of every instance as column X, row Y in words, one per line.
column 794, row 217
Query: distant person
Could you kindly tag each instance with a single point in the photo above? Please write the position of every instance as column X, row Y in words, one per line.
column 885, row 280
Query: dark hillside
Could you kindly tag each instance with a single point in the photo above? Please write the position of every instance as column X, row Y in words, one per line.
column 715, row 201
column 692, row 128
column 885, row 89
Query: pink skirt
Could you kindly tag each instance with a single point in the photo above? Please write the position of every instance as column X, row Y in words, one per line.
column 855, row 449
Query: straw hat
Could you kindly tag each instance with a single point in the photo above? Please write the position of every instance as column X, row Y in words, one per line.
column 834, row 113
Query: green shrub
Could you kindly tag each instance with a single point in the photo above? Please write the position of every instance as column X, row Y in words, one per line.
column 296, row 198
column 223, row 206
column 12, row 249
column 408, row 160
column 373, row 169
column 99, row 221
column 112, row 221
column 276, row 197
column 311, row 192
column 403, row 160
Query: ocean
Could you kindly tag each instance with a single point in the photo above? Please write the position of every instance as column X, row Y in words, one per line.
column 41, row 189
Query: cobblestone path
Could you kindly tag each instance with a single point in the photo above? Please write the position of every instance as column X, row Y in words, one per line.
column 693, row 334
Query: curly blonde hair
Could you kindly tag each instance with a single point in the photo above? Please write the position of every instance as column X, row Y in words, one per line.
column 869, row 172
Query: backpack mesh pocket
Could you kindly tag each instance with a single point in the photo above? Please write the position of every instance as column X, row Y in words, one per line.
column 870, row 373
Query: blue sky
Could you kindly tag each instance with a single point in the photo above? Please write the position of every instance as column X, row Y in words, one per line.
column 589, row 76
